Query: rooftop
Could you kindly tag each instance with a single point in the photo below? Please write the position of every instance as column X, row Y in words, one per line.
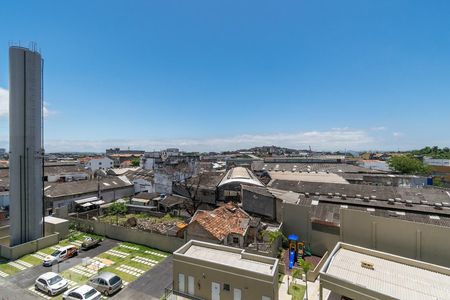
column 308, row 177
column 391, row 275
column 241, row 175
column 222, row 221
column 311, row 166
column 228, row 256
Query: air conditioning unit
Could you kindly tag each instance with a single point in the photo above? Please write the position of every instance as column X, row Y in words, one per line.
column 409, row 203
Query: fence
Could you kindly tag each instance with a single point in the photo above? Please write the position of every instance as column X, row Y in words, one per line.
column 159, row 241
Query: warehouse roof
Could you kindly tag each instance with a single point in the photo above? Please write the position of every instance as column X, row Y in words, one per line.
column 429, row 194
column 312, row 167
column 240, row 175
column 61, row 189
column 370, row 271
column 307, row 176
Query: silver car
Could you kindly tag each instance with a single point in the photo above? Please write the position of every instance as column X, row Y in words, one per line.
column 106, row 282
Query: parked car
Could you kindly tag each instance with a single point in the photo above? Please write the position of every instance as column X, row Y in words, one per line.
column 90, row 242
column 106, row 282
column 51, row 283
column 61, row 254
column 84, row 292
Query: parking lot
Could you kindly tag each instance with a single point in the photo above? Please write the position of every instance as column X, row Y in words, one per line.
column 129, row 261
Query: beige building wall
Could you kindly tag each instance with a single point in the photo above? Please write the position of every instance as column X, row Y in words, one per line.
column 414, row 240
column 253, row 286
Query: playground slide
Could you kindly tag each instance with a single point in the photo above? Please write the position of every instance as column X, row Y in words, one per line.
column 291, row 258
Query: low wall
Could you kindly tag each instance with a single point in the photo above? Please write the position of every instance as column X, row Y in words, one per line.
column 15, row 252
column 151, row 239
column 4, row 231
column 312, row 275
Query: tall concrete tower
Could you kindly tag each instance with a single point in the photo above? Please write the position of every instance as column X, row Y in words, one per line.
column 25, row 144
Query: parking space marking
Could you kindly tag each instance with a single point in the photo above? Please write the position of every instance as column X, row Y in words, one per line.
column 24, row 263
column 3, row 274
column 77, row 243
column 82, row 270
column 145, row 261
column 128, row 247
column 39, row 255
column 117, row 253
column 130, row 270
column 16, row 265
column 155, row 253
column 44, row 295
column 39, row 293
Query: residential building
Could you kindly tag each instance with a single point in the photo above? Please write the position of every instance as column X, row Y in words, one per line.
column 360, row 273
column 101, row 163
column 228, row 225
column 210, row 271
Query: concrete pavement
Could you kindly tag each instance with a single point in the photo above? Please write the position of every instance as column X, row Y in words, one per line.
column 151, row 285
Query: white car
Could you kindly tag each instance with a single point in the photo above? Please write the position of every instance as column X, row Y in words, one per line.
column 51, row 283
column 83, row 292
column 61, row 254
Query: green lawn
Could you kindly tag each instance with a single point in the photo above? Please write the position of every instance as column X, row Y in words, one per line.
column 297, row 291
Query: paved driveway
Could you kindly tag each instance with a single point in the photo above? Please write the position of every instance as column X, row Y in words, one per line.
column 151, row 285
column 26, row 278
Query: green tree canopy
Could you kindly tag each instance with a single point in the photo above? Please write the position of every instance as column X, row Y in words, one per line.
column 135, row 162
column 406, row 164
column 433, row 152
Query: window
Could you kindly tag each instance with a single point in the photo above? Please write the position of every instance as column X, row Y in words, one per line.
column 235, row 240
column 99, row 163
column 42, row 281
column 226, row 287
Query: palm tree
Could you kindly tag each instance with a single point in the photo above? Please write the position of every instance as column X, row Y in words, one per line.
column 305, row 266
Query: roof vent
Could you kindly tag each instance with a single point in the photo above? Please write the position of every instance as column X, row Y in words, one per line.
column 409, row 203
column 391, row 201
column 337, row 194
column 438, row 205
column 366, row 199
column 423, row 202
column 344, row 196
column 373, row 197
column 367, row 265
column 358, row 196
column 398, row 199
column 330, row 195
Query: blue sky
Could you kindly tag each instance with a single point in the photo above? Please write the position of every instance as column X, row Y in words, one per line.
column 217, row 75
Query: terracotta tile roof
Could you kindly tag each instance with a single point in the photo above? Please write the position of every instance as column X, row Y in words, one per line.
column 223, row 221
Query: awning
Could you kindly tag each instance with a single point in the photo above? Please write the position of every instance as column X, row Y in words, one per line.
column 98, row 202
column 85, row 200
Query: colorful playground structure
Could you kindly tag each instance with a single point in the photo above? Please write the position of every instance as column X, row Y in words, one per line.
column 297, row 250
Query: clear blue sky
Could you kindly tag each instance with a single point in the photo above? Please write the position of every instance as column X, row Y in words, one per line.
column 212, row 75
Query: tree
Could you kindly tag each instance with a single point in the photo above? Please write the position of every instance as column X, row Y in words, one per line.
column 191, row 187
column 116, row 209
column 305, row 266
column 272, row 236
column 408, row 165
column 135, row 162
